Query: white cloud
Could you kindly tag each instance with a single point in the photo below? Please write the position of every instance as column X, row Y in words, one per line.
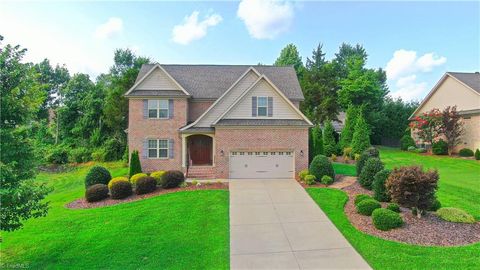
column 266, row 19
column 192, row 29
column 111, row 28
column 406, row 62
column 408, row 88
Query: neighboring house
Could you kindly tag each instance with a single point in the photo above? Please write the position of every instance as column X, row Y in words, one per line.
column 219, row 121
column 461, row 90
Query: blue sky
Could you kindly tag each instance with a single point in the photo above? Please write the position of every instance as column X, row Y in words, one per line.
column 416, row 42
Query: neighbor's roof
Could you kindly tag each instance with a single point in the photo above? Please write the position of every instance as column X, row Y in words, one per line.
column 472, row 80
column 211, row 81
column 262, row 122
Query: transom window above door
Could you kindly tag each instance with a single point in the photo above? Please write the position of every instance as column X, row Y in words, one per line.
column 158, row 108
column 262, row 106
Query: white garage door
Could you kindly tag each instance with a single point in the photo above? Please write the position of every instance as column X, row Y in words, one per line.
column 261, row 164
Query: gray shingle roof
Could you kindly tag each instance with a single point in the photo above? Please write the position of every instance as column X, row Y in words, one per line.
column 470, row 79
column 211, row 81
column 262, row 122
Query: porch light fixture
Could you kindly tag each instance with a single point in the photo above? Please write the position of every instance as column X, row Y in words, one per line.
column 301, row 153
column 222, row 153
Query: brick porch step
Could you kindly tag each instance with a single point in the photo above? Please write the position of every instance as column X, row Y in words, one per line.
column 201, row 172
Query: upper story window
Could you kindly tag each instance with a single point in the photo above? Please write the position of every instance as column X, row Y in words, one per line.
column 262, row 106
column 158, row 108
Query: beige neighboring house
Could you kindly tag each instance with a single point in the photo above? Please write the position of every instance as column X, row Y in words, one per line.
column 461, row 90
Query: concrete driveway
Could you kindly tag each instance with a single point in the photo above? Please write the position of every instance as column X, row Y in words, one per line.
column 274, row 224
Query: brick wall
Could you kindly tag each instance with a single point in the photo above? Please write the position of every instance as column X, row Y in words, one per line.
column 253, row 139
column 196, row 108
column 140, row 128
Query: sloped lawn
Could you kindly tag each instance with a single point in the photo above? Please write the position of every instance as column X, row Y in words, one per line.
column 384, row 254
column 184, row 230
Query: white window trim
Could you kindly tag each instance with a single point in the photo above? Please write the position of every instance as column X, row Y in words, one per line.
column 158, row 148
column 158, row 108
column 266, row 107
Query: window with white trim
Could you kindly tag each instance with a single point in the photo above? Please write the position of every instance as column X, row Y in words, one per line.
column 262, row 106
column 158, row 148
column 158, row 108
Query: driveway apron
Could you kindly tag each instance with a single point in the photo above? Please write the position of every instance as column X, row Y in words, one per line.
column 274, row 224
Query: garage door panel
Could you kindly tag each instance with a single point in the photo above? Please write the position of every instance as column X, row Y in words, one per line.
column 272, row 164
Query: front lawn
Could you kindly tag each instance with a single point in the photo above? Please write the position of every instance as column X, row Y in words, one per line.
column 183, row 230
column 384, row 254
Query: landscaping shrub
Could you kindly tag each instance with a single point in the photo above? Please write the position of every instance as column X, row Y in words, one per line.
column 310, row 179
column 135, row 166
column 369, row 153
column 97, row 175
column 465, row 152
column 435, row 205
column 114, row 149
column 412, row 187
column 326, row 180
column 372, row 167
column 412, row 148
column 99, row 155
column 57, row 155
column 385, row 219
column 406, row 142
column 145, row 185
column 172, row 179
column 477, row 154
column 329, row 144
column 420, row 150
column 367, row 206
column 378, row 185
column 80, row 154
column 440, row 147
column 361, row 135
column 302, row 174
column 333, row 157
column 347, row 152
column 96, row 193
column 116, row 179
column 361, row 197
column 158, row 176
column 394, row 207
column 137, row 177
column 121, row 190
column 455, row 215
column 321, row 166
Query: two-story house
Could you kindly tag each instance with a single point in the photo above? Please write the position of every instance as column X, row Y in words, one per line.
column 219, row 121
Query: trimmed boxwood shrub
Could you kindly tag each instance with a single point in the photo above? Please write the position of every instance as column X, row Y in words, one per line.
column 477, row 154
column 158, row 176
column 367, row 206
column 302, row 174
column 145, row 185
column 455, row 215
column 96, row 193
column 371, row 168
column 361, row 197
column 406, row 141
column 172, row 179
column 97, row 175
column 394, row 207
column 310, row 179
column 440, row 147
column 465, row 152
column 326, row 180
column 367, row 154
column 137, row 177
column 385, row 219
column 380, row 192
column 121, row 190
column 321, row 166
column 116, row 179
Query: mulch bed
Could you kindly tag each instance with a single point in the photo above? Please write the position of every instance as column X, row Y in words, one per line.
column 83, row 204
column 340, row 182
column 429, row 230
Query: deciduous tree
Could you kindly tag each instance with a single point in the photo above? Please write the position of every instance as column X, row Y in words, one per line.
column 452, row 127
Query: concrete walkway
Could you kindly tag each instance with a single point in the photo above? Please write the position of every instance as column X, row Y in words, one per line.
column 274, row 224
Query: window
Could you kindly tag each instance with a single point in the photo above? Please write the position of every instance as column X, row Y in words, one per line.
column 158, row 148
column 262, row 106
column 158, row 108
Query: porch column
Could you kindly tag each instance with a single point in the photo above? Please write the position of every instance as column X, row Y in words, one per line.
column 184, row 150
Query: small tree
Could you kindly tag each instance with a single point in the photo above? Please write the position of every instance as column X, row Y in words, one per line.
column 135, row 166
column 349, row 127
column 452, row 127
column 361, row 136
column 330, row 146
column 367, row 175
column 428, row 125
column 317, row 141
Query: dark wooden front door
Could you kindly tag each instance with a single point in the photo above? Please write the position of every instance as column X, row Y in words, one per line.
column 200, row 149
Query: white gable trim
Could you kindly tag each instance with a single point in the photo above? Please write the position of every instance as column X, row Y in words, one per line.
column 221, row 97
column 150, row 72
column 435, row 88
column 263, row 77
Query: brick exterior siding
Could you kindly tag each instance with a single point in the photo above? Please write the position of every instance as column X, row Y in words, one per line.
column 140, row 129
column 197, row 108
column 295, row 139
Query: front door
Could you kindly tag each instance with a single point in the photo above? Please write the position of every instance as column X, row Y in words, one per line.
column 200, row 149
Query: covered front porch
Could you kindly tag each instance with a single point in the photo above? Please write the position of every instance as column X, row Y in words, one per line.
column 198, row 149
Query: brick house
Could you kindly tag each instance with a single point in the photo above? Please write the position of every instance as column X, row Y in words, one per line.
column 218, row 121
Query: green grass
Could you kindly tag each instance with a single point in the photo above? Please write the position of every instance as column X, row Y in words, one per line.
column 184, row 230
column 345, row 169
column 384, row 254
